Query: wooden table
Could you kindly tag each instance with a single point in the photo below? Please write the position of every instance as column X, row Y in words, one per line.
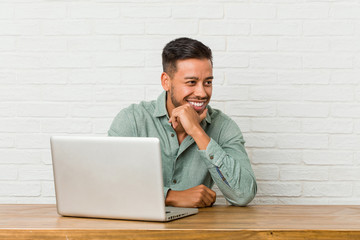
column 219, row 222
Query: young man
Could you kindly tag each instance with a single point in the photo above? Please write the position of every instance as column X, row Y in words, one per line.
column 199, row 145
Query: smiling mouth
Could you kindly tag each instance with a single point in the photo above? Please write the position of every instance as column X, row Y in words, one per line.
column 197, row 104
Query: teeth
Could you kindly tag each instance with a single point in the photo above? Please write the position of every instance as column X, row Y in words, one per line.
column 197, row 104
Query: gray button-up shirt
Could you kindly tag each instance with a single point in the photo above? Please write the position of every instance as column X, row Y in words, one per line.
column 185, row 166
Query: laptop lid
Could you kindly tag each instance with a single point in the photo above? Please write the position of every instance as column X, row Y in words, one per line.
column 108, row 177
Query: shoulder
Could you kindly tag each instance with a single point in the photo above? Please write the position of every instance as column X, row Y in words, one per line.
column 139, row 109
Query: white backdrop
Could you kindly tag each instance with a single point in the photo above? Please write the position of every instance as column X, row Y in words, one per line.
column 287, row 71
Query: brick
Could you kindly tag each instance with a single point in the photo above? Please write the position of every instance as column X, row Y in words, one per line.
column 344, row 173
column 229, row 60
column 211, row 11
column 32, row 141
column 122, row 93
column 7, row 110
column 57, row 76
column 328, row 61
column 303, row 77
column 327, row 157
column 97, row 110
column 7, row 43
column 308, row 173
column 90, row 10
column 120, row 59
column 33, row 173
column 20, row 60
column 357, row 190
column 48, row 189
column 6, row 11
column 66, row 126
column 315, row 189
column 275, row 61
column 152, row 92
column 142, row 76
column 188, row 27
column 271, row 93
column 279, row 189
column 276, row 28
column 17, row 156
column 68, row 93
column 19, row 125
column 304, row 44
column 301, row 141
column 252, row 44
column 328, row 28
column 345, row 142
column 345, row 11
column 250, row 11
column 67, row 60
column 8, row 173
column 303, row 11
column 345, row 77
column 216, row 43
column 94, row 44
column 217, row 27
column 18, row 28
column 144, row 43
column 275, row 125
column 327, row 126
column 46, row 157
column 6, row 141
column 96, row 76
column 101, row 126
column 152, row 60
column 243, row 123
column 250, row 78
column 41, row 10
column 140, row 11
column 8, row 77
column 42, row 110
column 250, row 110
column 345, row 110
column 260, row 140
column 67, row 27
column 328, row 93
column 303, row 109
column 225, row 93
column 16, row 94
column 266, row 172
column 19, row 189
column 276, row 156
column 41, row 44
column 345, row 44
column 119, row 27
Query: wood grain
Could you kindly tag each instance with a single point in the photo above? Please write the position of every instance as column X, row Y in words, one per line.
column 219, row 222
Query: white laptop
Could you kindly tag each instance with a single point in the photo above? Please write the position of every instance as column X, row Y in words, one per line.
column 111, row 177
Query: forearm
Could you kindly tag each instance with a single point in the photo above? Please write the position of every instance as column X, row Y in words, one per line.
column 231, row 172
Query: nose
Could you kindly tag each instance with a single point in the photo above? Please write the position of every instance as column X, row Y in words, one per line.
column 200, row 91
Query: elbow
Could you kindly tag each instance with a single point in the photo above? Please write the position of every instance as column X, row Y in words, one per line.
column 244, row 198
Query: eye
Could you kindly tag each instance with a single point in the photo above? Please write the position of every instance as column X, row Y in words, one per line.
column 191, row 82
column 208, row 83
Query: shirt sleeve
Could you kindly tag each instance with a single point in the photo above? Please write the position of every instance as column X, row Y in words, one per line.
column 122, row 126
column 229, row 165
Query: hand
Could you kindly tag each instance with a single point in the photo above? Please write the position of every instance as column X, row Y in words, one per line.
column 199, row 196
column 185, row 118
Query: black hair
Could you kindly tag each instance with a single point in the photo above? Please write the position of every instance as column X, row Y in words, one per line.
column 181, row 49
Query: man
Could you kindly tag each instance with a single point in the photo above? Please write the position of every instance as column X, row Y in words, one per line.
column 199, row 145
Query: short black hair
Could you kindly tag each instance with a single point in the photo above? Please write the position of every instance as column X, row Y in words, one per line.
column 181, row 49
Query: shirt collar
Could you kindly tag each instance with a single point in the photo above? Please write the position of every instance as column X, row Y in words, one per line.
column 160, row 108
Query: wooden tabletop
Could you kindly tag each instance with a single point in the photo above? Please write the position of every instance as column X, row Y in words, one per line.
column 218, row 222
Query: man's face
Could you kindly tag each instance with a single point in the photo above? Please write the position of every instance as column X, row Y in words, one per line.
column 191, row 83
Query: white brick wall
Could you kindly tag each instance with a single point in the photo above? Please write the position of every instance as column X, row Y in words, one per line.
column 286, row 71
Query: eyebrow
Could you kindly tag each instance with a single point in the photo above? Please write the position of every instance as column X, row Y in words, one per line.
column 196, row 78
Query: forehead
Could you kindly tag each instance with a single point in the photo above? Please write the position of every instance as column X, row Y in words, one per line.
column 194, row 65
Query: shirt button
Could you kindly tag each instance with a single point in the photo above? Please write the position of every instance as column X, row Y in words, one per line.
column 211, row 156
column 174, row 181
column 172, row 135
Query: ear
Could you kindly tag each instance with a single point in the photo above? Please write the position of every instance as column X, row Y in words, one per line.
column 165, row 81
